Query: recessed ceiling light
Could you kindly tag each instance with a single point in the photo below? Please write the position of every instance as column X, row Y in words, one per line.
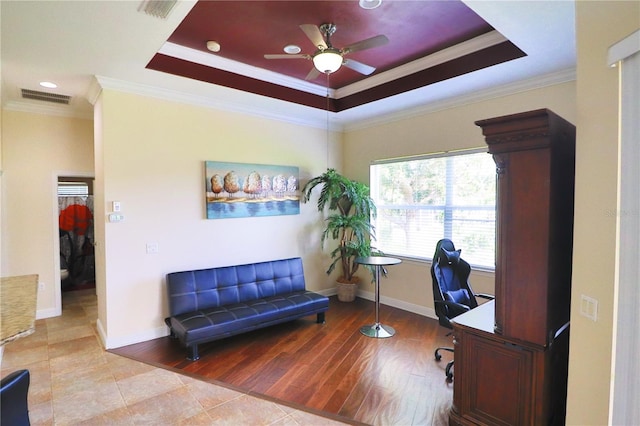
column 213, row 46
column 48, row 84
column 292, row 49
column 370, row 4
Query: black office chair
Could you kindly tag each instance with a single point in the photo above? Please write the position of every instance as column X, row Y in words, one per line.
column 452, row 293
column 13, row 399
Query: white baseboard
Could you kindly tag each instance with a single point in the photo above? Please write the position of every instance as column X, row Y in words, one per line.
column 327, row 292
column 112, row 343
column 101, row 333
column 400, row 304
column 47, row 313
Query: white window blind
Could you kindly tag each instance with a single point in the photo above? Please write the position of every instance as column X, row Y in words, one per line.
column 626, row 390
column 423, row 199
column 75, row 189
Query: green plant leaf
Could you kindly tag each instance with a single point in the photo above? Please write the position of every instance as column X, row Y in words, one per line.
column 350, row 208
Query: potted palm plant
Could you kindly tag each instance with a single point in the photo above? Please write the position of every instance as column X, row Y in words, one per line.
column 350, row 208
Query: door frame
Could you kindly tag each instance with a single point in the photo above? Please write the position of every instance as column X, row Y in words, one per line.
column 56, row 233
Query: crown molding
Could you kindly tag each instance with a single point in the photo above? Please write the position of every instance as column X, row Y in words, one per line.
column 209, row 102
column 454, row 52
column 211, row 60
column 101, row 82
column 551, row 79
column 214, row 61
column 54, row 110
column 94, row 90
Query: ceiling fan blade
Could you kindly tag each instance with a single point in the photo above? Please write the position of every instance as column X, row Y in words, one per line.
column 313, row 74
column 376, row 41
column 314, row 34
column 287, row 56
column 358, row 66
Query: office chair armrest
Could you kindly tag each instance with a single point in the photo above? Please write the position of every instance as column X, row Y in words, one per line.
column 456, row 308
column 486, row 296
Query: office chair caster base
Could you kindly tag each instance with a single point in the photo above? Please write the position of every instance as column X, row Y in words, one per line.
column 437, row 355
column 449, row 372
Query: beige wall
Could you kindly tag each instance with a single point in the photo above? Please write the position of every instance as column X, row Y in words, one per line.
column 150, row 156
column 598, row 26
column 36, row 150
column 445, row 130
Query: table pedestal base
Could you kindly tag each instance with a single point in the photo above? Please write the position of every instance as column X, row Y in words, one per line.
column 377, row 330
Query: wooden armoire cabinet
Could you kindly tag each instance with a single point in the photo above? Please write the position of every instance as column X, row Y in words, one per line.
column 511, row 355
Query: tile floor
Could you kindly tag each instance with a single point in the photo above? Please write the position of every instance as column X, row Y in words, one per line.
column 74, row 381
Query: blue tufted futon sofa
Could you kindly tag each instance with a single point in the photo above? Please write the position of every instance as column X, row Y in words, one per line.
column 211, row 304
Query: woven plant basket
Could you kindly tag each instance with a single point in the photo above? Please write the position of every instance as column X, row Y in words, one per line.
column 347, row 292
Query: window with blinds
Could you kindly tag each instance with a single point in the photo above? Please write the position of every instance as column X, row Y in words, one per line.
column 423, row 199
column 73, row 189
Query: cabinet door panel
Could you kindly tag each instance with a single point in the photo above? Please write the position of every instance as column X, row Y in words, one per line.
column 500, row 379
column 523, row 227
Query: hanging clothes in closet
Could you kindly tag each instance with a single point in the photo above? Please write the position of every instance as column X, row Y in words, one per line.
column 76, row 239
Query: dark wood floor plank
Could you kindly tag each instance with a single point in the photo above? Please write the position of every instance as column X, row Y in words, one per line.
column 320, row 384
column 402, row 408
column 330, row 367
column 339, row 385
column 355, row 400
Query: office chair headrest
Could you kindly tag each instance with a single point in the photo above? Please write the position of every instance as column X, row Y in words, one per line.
column 449, row 257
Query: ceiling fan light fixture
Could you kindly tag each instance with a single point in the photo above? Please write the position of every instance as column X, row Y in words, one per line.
column 328, row 61
column 369, row 4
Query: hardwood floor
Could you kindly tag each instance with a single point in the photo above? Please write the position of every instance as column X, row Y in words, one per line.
column 329, row 367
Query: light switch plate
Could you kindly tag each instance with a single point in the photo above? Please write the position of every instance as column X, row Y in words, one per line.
column 589, row 307
column 115, row 217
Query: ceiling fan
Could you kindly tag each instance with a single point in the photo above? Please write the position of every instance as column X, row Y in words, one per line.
column 328, row 59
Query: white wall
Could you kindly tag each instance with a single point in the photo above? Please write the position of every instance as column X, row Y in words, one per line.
column 599, row 24
column 36, row 149
column 150, row 157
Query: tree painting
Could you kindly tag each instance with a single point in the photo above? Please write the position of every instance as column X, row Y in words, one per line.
column 234, row 190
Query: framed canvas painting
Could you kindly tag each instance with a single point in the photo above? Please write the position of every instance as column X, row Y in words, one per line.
column 236, row 190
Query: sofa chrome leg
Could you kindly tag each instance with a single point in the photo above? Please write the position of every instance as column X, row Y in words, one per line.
column 193, row 353
column 320, row 319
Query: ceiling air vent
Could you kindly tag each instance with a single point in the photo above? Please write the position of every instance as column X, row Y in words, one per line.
column 158, row 8
column 45, row 96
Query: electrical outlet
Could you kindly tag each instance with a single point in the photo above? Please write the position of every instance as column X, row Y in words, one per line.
column 589, row 307
column 41, row 286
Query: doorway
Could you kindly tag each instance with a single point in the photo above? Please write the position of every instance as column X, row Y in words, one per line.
column 76, row 233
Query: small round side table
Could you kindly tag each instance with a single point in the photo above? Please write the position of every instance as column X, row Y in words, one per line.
column 376, row 329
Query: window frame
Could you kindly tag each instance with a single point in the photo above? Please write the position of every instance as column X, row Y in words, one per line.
column 442, row 154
